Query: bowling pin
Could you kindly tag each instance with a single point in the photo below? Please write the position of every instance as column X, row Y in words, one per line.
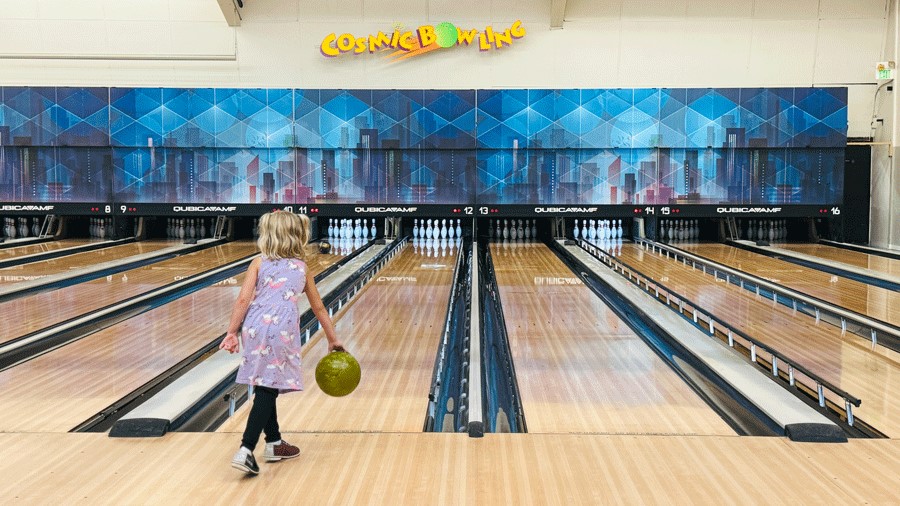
column 505, row 229
column 458, row 228
column 365, row 229
column 443, row 229
column 575, row 231
column 330, row 227
column 35, row 228
column 534, row 229
column 520, row 231
column 202, row 228
column 372, row 230
column 771, row 231
column 451, row 231
column 415, row 228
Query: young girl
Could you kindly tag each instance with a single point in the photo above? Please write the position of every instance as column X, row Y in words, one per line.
column 267, row 308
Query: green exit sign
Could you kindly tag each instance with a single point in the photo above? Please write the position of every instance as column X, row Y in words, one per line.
column 885, row 74
column 885, row 70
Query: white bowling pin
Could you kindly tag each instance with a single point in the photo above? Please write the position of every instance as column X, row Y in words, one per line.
column 443, row 229
column 575, row 231
column 372, row 230
column 458, row 228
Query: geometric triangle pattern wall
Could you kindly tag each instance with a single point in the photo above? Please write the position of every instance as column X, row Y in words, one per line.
column 605, row 146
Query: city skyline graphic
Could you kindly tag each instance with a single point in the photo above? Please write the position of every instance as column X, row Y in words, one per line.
column 597, row 146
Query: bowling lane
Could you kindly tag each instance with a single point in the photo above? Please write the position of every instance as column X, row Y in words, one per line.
column 44, row 268
column 43, row 247
column 871, row 301
column 579, row 367
column 393, row 328
column 859, row 259
column 28, row 314
column 845, row 360
column 59, row 390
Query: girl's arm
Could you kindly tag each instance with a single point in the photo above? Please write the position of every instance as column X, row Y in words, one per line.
column 241, row 306
column 318, row 308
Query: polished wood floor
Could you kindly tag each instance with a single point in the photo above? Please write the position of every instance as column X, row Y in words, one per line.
column 67, row 263
column 393, row 328
column 845, row 359
column 859, row 259
column 41, row 464
column 580, row 368
column 43, row 247
column 28, row 314
column 59, row 390
column 872, row 301
column 450, row 469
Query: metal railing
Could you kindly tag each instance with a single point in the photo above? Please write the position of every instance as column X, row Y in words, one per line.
column 780, row 366
column 820, row 310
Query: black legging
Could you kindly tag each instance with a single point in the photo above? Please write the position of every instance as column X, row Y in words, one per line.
column 263, row 417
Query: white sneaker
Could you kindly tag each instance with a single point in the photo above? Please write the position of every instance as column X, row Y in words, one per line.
column 243, row 460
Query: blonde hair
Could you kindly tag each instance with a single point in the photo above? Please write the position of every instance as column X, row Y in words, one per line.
column 283, row 234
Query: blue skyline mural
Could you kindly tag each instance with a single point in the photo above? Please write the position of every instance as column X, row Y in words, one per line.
column 598, row 146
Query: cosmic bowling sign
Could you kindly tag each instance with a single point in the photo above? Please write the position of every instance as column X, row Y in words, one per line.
column 424, row 39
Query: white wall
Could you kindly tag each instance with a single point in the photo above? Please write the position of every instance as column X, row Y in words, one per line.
column 604, row 43
column 884, row 215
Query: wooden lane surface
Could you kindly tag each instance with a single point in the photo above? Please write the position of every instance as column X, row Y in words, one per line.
column 42, row 247
column 450, row 469
column 67, row 263
column 28, row 314
column 58, row 390
column 859, row 259
column 393, row 328
column 579, row 367
column 871, row 301
column 844, row 359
